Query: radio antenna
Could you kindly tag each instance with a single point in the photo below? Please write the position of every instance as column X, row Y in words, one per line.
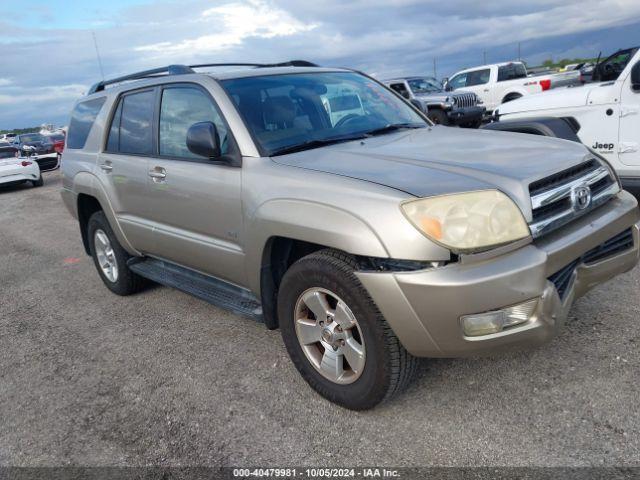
column 95, row 43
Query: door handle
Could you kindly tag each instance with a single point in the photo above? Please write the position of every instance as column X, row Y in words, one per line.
column 158, row 174
column 106, row 167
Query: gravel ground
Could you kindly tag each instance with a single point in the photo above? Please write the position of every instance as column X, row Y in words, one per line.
column 89, row 378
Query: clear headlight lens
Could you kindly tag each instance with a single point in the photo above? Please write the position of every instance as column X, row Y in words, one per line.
column 468, row 222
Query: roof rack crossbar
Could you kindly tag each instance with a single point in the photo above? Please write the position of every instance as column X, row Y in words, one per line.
column 184, row 69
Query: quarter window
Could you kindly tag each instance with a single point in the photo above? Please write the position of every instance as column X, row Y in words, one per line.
column 82, row 118
column 182, row 107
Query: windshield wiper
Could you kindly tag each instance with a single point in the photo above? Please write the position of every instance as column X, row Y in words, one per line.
column 392, row 127
column 310, row 144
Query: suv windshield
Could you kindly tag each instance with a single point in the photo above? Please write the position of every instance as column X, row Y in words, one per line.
column 307, row 110
column 424, row 85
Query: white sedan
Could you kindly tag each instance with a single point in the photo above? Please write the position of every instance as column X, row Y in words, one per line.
column 14, row 170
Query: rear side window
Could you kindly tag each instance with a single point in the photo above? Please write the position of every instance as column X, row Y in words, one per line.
column 82, row 119
column 511, row 72
column 131, row 127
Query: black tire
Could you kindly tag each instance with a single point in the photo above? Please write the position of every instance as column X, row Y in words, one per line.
column 388, row 367
column 126, row 282
column 438, row 117
column 39, row 182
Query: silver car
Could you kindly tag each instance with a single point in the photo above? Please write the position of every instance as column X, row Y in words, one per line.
column 320, row 202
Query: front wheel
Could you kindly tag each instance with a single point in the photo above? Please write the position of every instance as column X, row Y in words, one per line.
column 438, row 117
column 336, row 336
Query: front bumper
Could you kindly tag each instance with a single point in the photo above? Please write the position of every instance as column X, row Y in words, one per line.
column 466, row 114
column 424, row 307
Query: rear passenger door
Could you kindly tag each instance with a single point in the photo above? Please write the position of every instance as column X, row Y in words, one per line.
column 124, row 165
column 196, row 203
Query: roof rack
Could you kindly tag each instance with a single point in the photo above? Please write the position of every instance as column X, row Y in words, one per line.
column 185, row 69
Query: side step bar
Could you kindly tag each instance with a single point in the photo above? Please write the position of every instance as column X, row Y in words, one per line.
column 210, row 289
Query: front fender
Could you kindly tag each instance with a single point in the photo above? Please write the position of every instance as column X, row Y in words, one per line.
column 310, row 222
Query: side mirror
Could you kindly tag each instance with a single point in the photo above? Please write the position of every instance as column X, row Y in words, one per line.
column 203, row 140
column 635, row 77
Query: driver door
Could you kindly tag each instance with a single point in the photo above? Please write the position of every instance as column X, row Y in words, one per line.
column 196, row 203
column 629, row 131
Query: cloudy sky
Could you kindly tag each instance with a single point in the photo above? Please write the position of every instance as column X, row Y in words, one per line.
column 48, row 58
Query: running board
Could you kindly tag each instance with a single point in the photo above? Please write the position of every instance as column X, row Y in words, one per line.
column 210, row 289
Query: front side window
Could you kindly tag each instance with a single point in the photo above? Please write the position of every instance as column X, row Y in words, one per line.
column 301, row 111
column 135, row 116
column 182, row 107
column 82, row 118
column 478, row 77
column 459, row 81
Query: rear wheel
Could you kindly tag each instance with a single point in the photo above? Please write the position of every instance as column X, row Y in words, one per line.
column 438, row 117
column 336, row 336
column 110, row 258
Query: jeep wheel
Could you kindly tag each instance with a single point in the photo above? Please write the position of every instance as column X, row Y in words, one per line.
column 110, row 258
column 335, row 335
column 438, row 117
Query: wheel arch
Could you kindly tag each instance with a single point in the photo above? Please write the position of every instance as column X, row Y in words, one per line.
column 282, row 231
column 89, row 196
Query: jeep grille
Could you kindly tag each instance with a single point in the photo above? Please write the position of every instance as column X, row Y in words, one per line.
column 566, row 195
column 464, row 100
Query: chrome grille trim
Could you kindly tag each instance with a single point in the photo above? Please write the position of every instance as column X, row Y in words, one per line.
column 564, row 190
column 554, row 204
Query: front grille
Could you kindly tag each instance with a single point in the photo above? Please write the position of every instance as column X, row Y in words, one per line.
column 620, row 243
column 464, row 100
column 552, row 198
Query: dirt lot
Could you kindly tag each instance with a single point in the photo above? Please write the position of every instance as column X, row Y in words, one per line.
column 90, row 378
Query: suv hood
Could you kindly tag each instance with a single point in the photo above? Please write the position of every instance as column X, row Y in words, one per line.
column 443, row 160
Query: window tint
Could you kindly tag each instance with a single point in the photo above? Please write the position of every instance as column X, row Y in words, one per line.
column 458, row 81
column 135, row 123
column 182, row 107
column 478, row 77
column 511, row 72
column 82, row 119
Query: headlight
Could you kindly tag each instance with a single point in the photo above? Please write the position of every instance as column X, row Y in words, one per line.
column 468, row 222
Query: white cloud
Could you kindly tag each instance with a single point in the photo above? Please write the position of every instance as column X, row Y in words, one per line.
column 4, row 82
column 234, row 22
column 24, row 96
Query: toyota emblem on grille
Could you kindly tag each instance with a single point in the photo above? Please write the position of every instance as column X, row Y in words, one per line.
column 580, row 197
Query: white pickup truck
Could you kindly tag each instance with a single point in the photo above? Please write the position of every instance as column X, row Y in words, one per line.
column 604, row 115
column 503, row 82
